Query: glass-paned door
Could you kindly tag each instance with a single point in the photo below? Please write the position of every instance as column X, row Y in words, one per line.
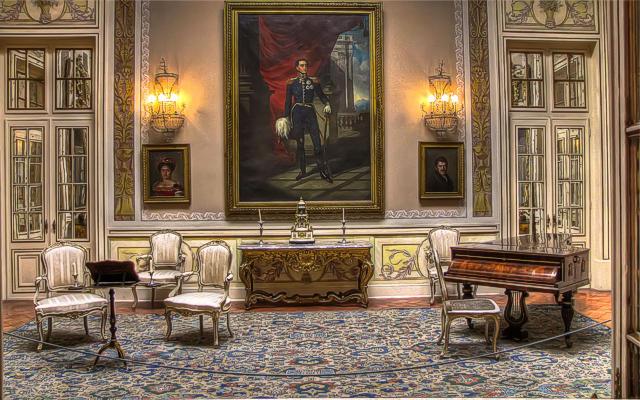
column 550, row 171
column 27, row 207
column 570, row 179
column 72, row 182
column 531, row 179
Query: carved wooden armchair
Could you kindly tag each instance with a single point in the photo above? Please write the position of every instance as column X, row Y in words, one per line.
column 486, row 309
column 213, row 269
column 66, row 295
column 163, row 266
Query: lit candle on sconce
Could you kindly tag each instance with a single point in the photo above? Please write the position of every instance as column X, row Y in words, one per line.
column 343, row 220
column 259, row 215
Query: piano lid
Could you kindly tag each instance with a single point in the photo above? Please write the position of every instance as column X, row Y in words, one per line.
column 549, row 244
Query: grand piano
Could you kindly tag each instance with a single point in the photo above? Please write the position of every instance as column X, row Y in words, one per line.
column 521, row 265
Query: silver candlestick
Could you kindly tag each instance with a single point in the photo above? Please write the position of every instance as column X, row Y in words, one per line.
column 260, row 223
column 75, row 276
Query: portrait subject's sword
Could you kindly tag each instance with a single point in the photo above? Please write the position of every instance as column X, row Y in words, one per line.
column 324, row 144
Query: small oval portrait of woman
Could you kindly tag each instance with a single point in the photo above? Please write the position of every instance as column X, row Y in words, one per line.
column 166, row 177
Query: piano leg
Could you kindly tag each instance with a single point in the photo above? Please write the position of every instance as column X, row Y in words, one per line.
column 516, row 315
column 567, row 315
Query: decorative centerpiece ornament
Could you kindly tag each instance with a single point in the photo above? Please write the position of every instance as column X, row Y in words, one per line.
column 301, row 231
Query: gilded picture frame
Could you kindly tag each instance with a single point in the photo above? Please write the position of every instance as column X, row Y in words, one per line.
column 318, row 66
column 166, row 173
column 441, row 170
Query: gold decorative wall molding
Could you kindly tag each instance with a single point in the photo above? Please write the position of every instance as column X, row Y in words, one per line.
column 544, row 15
column 123, row 113
column 59, row 12
column 399, row 261
column 480, row 108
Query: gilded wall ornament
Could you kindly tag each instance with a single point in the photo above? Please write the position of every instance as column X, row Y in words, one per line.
column 123, row 110
column 480, row 109
column 42, row 12
column 550, row 14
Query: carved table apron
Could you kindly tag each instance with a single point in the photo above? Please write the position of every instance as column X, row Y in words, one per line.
column 319, row 273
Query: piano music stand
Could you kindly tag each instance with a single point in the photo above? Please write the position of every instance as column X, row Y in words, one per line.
column 112, row 274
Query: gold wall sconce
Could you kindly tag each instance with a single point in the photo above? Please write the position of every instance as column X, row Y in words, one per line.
column 163, row 104
column 440, row 111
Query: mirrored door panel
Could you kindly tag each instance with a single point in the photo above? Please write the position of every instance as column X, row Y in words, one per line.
column 570, row 179
column 27, row 177
column 531, row 185
column 72, row 182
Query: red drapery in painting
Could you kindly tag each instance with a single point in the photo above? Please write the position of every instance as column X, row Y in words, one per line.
column 287, row 38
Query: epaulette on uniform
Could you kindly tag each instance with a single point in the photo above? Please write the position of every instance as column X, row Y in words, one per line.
column 291, row 80
column 314, row 79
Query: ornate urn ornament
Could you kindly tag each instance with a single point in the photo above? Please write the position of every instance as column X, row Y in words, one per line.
column 301, row 231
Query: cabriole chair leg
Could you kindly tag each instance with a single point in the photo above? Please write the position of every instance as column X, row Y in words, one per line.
column 214, row 318
column 446, row 337
column 135, row 297
column 496, row 333
column 167, row 317
column 442, row 326
column 229, row 324
column 432, row 286
column 40, row 333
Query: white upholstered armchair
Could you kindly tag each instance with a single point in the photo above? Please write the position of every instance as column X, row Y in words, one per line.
column 66, row 295
column 213, row 270
column 163, row 266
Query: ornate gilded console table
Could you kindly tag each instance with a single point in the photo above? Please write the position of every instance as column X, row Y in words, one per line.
column 319, row 273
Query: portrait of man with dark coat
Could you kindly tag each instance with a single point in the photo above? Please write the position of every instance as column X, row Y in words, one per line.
column 439, row 180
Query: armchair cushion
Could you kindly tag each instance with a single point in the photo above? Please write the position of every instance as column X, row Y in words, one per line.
column 200, row 301
column 471, row 306
column 70, row 302
column 160, row 276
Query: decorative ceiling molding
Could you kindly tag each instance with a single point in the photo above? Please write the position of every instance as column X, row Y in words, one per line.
column 545, row 15
column 480, row 108
column 52, row 12
column 123, row 110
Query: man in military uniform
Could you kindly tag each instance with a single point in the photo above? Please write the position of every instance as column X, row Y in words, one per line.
column 300, row 116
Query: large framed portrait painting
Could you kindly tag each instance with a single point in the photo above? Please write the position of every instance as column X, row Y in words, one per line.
column 441, row 172
column 166, row 176
column 303, row 89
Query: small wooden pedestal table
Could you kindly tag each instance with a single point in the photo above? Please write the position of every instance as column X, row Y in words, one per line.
column 113, row 342
column 110, row 274
column 318, row 273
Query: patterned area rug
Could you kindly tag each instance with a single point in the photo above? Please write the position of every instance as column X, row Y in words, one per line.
column 386, row 351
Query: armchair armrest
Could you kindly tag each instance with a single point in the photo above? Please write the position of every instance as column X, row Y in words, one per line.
column 179, row 280
column 37, row 283
column 227, row 282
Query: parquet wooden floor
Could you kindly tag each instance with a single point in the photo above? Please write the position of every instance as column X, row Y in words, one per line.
column 592, row 303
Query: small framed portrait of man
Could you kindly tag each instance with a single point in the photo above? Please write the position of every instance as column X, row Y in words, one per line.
column 165, row 173
column 441, row 170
